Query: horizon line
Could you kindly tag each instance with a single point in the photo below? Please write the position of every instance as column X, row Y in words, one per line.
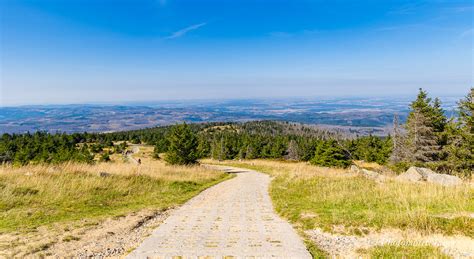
column 203, row 100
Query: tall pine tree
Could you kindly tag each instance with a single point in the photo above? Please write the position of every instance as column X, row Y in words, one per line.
column 460, row 148
column 425, row 124
column 182, row 149
column 421, row 138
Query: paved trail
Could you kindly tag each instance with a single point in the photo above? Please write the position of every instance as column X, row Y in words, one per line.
column 234, row 218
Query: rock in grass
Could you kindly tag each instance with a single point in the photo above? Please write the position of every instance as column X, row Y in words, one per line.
column 369, row 174
column 104, row 174
column 372, row 175
column 413, row 174
column 420, row 174
column 354, row 169
column 443, row 179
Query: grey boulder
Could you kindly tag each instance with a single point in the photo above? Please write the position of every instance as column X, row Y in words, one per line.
column 420, row 174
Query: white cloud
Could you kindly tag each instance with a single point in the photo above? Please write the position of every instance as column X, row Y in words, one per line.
column 183, row 32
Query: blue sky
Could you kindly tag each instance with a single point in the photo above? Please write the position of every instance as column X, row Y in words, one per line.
column 71, row 51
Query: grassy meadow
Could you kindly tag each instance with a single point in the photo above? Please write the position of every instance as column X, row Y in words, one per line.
column 39, row 195
column 342, row 202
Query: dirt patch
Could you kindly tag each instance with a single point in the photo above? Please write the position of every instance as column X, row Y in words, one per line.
column 347, row 246
column 111, row 237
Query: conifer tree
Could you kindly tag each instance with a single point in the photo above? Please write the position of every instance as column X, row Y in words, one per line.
column 422, row 142
column 182, row 149
column 439, row 120
column 219, row 149
column 277, row 148
column 460, row 148
column 241, row 154
column 422, row 139
column 371, row 149
column 250, row 152
column 204, row 147
column 466, row 112
column 329, row 153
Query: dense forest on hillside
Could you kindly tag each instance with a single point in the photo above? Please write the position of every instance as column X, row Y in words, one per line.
column 428, row 138
column 255, row 139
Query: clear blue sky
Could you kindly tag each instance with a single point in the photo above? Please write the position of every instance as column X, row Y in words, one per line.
column 71, row 51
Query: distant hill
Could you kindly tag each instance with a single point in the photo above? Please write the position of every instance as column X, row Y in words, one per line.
column 355, row 115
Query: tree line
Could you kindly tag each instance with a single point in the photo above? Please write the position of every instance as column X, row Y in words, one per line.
column 427, row 138
column 274, row 140
column 42, row 147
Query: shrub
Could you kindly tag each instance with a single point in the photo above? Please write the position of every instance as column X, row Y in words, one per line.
column 330, row 153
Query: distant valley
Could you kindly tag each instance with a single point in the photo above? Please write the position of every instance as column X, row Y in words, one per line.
column 361, row 116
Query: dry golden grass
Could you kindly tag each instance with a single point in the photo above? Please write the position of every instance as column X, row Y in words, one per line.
column 295, row 170
column 153, row 168
column 369, row 165
column 37, row 195
column 335, row 197
column 157, row 169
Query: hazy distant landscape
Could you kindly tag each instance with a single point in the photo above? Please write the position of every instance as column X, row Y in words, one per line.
column 357, row 115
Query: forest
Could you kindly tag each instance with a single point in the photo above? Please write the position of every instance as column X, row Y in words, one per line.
column 428, row 138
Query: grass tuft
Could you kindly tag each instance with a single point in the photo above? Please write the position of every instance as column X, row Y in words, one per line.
column 406, row 251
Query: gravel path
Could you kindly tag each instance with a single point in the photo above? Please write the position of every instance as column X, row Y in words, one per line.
column 234, row 219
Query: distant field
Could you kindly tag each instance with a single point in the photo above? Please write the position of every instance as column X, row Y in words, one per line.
column 39, row 195
column 362, row 115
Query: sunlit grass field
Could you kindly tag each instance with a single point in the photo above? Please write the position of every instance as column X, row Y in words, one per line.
column 336, row 200
column 39, row 195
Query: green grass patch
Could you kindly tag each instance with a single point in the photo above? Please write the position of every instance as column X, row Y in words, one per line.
column 314, row 250
column 27, row 202
column 70, row 238
column 359, row 202
column 404, row 251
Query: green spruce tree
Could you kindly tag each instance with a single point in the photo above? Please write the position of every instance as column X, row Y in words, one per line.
column 460, row 138
column 330, row 153
column 182, row 149
column 424, row 126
